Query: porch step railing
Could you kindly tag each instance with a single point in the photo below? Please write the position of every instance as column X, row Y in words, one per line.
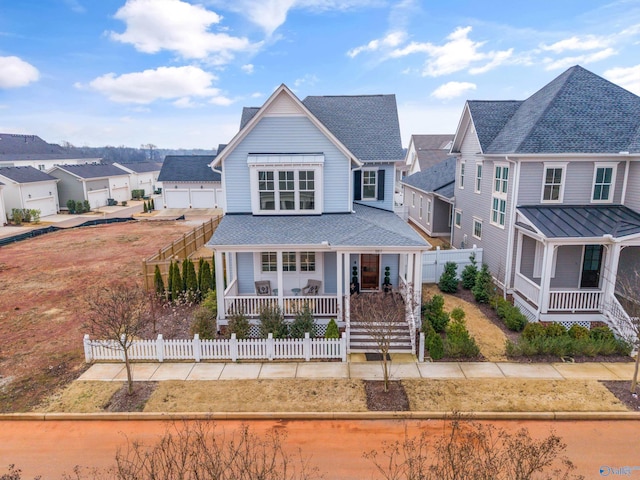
column 527, row 288
column 575, row 300
column 252, row 305
column 618, row 318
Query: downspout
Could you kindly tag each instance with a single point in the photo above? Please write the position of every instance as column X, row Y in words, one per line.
column 511, row 233
column 351, row 186
column 224, row 189
column 624, row 184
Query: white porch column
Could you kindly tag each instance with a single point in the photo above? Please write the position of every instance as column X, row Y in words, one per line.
column 410, row 267
column 219, row 267
column 280, row 278
column 611, row 269
column 229, row 269
column 347, row 292
column 417, row 283
column 339, row 283
column 545, row 277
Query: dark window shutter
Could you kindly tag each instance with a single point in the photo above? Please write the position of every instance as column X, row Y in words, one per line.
column 380, row 184
column 357, row 185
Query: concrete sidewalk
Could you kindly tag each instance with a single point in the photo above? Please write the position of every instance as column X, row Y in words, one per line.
column 358, row 370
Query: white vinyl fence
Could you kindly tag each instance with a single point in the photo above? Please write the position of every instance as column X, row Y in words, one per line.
column 433, row 262
column 229, row 349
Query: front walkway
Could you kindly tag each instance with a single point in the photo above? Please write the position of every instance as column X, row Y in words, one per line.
column 359, row 370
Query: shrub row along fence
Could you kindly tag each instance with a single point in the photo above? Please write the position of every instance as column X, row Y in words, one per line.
column 232, row 349
column 433, row 262
column 179, row 249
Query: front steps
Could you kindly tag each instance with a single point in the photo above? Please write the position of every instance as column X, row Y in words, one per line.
column 361, row 339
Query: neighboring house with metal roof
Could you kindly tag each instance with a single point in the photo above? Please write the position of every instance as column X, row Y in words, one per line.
column 309, row 203
column 549, row 187
column 19, row 150
column 429, row 197
column 95, row 182
column 28, row 188
column 189, row 182
column 142, row 175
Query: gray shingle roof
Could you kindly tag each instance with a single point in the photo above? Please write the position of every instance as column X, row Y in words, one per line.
column 438, row 179
column 11, row 143
column 188, row 168
column 577, row 112
column 366, row 124
column 430, row 149
column 571, row 221
column 25, row 174
column 367, row 227
column 93, row 170
column 143, row 167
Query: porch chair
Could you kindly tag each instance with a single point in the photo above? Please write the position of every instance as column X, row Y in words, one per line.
column 312, row 287
column 263, row 287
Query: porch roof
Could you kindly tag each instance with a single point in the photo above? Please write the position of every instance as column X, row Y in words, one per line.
column 366, row 227
column 575, row 221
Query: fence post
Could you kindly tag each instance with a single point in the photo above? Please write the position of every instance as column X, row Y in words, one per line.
column 421, row 348
column 306, row 347
column 343, row 346
column 270, row 347
column 88, row 354
column 233, row 347
column 196, row 347
column 160, row 348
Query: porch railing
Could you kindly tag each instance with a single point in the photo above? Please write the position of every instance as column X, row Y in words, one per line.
column 410, row 315
column 527, row 288
column 576, row 300
column 618, row 318
column 252, row 305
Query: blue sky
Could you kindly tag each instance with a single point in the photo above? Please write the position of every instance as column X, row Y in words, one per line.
column 177, row 73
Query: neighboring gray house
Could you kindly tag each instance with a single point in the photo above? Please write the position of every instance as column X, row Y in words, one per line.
column 309, row 209
column 189, row 182
column 95, row 182
column 19, row 150
column 429, row 198
column 425, row 151
column 549, row 187
column 142, row 175
column 28, row 188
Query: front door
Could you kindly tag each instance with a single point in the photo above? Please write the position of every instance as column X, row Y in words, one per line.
column 591, row 265
column 370, row 271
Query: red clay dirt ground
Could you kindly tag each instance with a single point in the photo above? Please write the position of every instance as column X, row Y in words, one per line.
column 43, row 281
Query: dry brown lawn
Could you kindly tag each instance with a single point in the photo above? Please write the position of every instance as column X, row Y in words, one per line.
column 80, row 397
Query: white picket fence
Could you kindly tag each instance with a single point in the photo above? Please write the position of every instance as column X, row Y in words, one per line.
column 228, row 349
column 433, row 262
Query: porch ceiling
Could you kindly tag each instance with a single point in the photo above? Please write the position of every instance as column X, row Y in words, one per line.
column 576, row 221
column 366, row 227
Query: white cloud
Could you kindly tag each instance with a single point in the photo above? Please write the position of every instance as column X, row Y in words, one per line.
column 452, row 90
column 390, row 40
column 15, row 72
column 174, row 25
column 248, row 68
column 628, row 78
column 309, row 80
column 166, row 83
column 586, row 42
column 579, row 59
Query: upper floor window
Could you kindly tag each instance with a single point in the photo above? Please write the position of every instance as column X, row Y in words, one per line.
column 478, row 177
column 420, row 208
column 499, row 196
column 428, row 211
column 369, row 185
column 501, row 180
column 553, row 183
column 413, row 199
column 307, row 189
column 461, row 178
column 266, row 187
column 604, row 179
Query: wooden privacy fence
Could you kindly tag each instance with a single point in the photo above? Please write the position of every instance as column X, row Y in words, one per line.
column 433, row 262
column 179, row 249
column 227, row 349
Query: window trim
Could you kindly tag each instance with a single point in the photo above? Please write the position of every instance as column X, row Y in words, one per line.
column 375, row 185
column 555, row 166
column 478, row 178
column 614, row 170
column 413, row 199
column 428, row 219
column 269, row 262
column 457, row 218
column 499, row 194
column 461, row 175
column 254, row 183
column 420, row 208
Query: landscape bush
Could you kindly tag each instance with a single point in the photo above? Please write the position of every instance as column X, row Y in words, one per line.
column 137, row 194
column 458, row 342
column 302, row 323
column 483, row 290
column 449, row 280
column 601, row 333
column 578, row 331
column 533, row 330
column 71, row 206
column 434, row 314
column 204, row 323
column 469, row 273
column 332, row 329
column 555, row 330
column 434, row 346
column 272, row 321
column 238, row 324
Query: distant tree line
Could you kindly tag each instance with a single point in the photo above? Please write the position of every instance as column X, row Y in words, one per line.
column 122, row 154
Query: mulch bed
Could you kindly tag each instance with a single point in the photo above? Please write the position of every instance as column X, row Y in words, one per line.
column 121, row 401
column 395, row 400
column 487, row 311
column 620, row 388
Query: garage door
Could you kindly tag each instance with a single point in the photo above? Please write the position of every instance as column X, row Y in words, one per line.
column 98, row 198
column 203, row 198
column 176, row 198
column 47, row 206
column 120, row 194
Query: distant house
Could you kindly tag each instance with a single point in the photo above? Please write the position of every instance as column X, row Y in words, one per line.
column 18, row 150
column 95, row 182
column 142, row 175
column 29, row 188
column 3, row 213
column 425, row 151
column 429, row 197
column 189, row 182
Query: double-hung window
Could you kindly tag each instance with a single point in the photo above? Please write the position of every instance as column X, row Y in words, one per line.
column 428, row 211
column 457, row 218
column 306, row 180
column 477, row 228
column 287, row 190
column 269, row 261
column 461, row 177
column 604, row 178
column 499, row 196
column 420, row 209
column 369, row 185
column 307, row 261
column 478, row 177
column 266, row 188
column 288, row 261
column 553, row 183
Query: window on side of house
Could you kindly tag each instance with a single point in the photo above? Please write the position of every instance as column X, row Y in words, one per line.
column 499, row 195
column 413, row 199
column 553, row 183
column 307, row 261
column 478, row 177
column 420, row 209
column 269, row 261
column 428, row 211
column 369, row 185
column 457, row 218
column 477, row 228
column 604, row 178
column 461, row 177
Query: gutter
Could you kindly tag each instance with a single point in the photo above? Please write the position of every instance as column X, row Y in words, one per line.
column 514, row 200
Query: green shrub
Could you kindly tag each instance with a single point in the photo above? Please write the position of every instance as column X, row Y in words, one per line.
column 35, row 215
column 144, row 207
column 434, row 314
column 152, row 205
column 601, row 333
column 457, row 314
column 158, row 282
column 176, row 283
column 483, row 289
column 205, row 278
column 515, row 319
column 210, row 302
column 79, row 209
column 26, row 215
column 86, row 206
column 272, row 321
column 555, row 330
column 123, row 203
column 238, row 324
column 501, row 306
column 204, row 323
column 303, row 323
column 469, row 273
column 71, row 206
column 191, row 281
column 533, row 330
column 136, row 194
column 332, row 329
column 434, row 345
column 578, row 331
column 448, row 280
column 16, row 215
column 458, row 342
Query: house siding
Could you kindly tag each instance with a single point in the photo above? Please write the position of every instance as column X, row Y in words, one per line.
column 527, row 258
column 441, row 217
column 389, row 187
column 294, row 134
column 392, row 261
column 245, row 273
column 330, row 273
column 69, row 187
column 568, row 265
column 414, row 208
column 632, row 197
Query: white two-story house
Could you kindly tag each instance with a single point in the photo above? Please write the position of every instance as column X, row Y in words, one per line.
column 309, row 207
column 549, row 187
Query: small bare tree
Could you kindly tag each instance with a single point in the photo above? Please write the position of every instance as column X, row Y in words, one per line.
column 118, row 312
column 471, row 450
column 628, row 326
column 380, row 314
